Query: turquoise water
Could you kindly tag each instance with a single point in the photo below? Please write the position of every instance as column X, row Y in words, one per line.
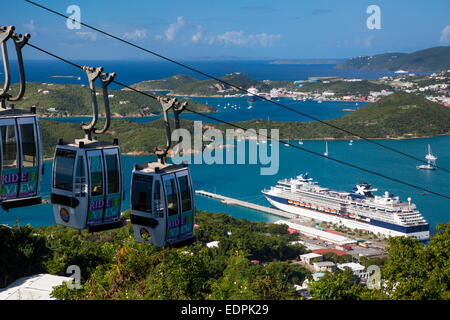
column 240, row 109
column 244, row 181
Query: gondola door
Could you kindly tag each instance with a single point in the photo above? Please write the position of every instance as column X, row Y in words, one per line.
column 10, row 162
column 114, row 185
column 96, row 187
column 172, row 205
column 30, row 158
column 187, row 209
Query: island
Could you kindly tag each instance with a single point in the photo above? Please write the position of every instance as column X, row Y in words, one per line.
column 400, row 115
column 431, row 59
column 66, row 100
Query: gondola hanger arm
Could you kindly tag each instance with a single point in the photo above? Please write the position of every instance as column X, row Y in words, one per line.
column 19, row 42
column 105, row 80
column 166, row 105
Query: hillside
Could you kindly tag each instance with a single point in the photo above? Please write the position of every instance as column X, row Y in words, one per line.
column 133, row 136
column 395, row 116
column 253, row 261
column 73, row 100
column 212, row 87
column 432, row 59
column 166, row 84
column 114, row 266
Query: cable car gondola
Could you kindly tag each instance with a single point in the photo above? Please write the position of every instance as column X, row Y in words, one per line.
column 162, row 197
column 87, row 190
column 21, row 163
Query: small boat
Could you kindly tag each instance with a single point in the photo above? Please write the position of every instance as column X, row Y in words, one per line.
column 431, row 161
column 350, row 143
column 326, row 149
column 300, row 142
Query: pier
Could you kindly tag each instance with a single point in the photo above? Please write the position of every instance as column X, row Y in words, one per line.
column 306, row 227
column 245, row 204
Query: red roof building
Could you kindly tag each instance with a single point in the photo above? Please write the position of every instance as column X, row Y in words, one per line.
column 322, row 251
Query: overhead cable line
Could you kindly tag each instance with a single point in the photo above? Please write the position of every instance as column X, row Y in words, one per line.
column 231, row 85
column 259, row 134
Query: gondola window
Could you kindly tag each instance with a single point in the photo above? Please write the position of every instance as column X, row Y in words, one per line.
column 142, row 193
column 172, row 203
column 28, row 145
column 185, row 192
column 80, row 178
column 9, row 147
column 64, row 166
column 96, row 175
column 113, row 173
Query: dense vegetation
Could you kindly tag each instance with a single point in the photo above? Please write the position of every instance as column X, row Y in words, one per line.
column 133, row 136
column 114, row 266
column 166, row 84
column 73, row 100
column 432, row 59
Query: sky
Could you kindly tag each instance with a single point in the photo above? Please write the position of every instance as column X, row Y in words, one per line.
column 211, row 29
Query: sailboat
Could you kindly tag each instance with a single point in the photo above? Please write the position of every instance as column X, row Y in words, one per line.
column 287, row 143
column 431, row 161
column 300, row 142
column 350, row 143
column 326, row 149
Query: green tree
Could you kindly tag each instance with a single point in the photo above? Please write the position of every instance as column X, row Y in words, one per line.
column 237, row 281
column 333, row 286
column 418, row 271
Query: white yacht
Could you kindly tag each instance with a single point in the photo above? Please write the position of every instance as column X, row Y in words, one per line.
column 431, row 161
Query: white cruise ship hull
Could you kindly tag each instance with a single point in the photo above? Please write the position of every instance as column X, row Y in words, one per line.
column 283, row 204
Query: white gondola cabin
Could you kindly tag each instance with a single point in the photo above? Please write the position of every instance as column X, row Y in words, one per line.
column 21, row 165
column 87, row 185
column 162, row 204
column 21, row 160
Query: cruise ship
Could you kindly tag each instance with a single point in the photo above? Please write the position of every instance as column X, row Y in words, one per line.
column 359, row 209
column 253, row 94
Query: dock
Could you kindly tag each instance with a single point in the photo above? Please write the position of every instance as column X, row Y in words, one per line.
column 245, row 204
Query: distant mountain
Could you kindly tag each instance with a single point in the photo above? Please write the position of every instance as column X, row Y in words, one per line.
column 432, row 59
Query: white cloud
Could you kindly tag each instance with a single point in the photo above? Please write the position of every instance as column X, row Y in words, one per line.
column 30, row 27
column 234, row 38
column 445, row 35
column 199, row 35
column 136, row 34
column 87, row 35
column 173, row 30
column 239, row 38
